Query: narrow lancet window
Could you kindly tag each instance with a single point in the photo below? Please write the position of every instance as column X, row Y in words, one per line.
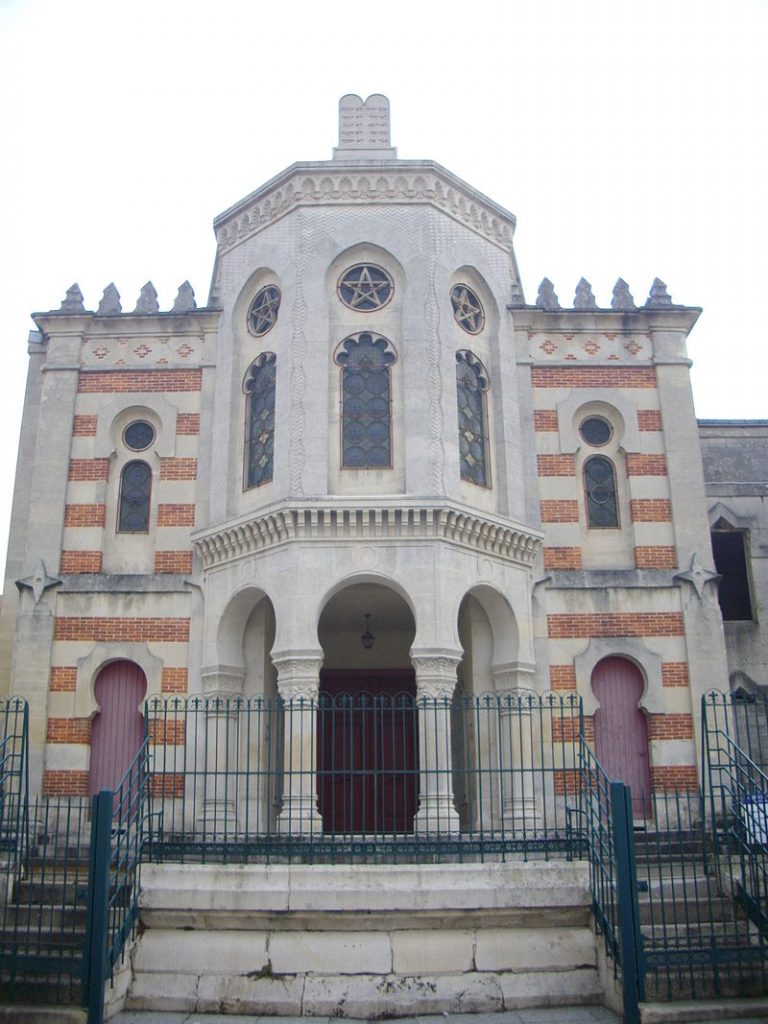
column 366, row 414
column 600, row 491
column 471, row 385
column 260, row 420
column 135, row 494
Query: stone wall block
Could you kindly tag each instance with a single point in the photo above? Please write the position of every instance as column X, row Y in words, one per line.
column 296, row 952
column 527, row 949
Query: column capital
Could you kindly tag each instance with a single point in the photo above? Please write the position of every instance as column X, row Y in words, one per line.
column 513, row 677
column 223, row 681
column 298, row 674
column 436, row 671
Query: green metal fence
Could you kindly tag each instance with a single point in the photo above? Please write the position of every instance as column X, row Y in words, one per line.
column 378, row 776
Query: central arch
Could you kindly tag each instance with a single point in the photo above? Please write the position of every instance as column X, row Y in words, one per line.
column 367, row 731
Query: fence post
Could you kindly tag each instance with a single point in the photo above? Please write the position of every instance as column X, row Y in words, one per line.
column 97, row 914
column 632, row 967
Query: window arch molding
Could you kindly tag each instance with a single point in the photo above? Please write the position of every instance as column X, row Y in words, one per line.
column 470, row 277
column 649, row 663
column 365, row 360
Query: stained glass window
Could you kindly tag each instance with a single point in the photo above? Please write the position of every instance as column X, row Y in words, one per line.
column 139, row 435
column 365, row 287
column 365, row 402
column 262, row 316
column 467, row 309
column 600, row 489
column 596, row 431
column 260, row 429
column 135, row 492
column 473, row 431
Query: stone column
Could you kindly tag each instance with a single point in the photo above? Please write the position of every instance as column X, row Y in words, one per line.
column 518, row 707
column 298, row 683
column 223, row 688
column 435, row 685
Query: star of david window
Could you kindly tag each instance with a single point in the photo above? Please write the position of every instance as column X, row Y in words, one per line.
column 262, row 316
column 365, row 287
column 366, row 434
column 600, row 490
column 471, row 384
column 259, row 386
column 467, row 309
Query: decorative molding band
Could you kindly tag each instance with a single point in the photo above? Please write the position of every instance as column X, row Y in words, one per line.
column 345, row 186
column 371, row 523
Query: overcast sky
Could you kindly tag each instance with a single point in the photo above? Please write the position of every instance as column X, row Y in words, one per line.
column 629, row 139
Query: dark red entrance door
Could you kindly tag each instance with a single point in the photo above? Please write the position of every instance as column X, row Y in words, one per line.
column 118, row 729
column 367, row 757
column 621, row 730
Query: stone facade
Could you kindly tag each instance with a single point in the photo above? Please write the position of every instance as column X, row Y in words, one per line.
column 234, row 587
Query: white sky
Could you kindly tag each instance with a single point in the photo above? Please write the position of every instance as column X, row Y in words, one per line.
column 629, row 138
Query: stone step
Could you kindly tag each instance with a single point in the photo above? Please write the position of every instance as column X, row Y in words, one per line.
column 703, row 1010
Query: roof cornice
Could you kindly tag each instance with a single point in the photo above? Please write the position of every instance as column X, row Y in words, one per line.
column 353, row 182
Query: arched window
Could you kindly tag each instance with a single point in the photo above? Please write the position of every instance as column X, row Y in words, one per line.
column 135, row 492
column 366, row 414
column 600, row 491
column 471, row 383
column 259, row 386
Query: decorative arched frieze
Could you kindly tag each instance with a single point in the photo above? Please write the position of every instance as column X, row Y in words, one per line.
column 631, row 648
column 89, row 666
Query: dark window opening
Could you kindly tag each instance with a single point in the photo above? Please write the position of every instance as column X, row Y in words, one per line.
column 729, row 549
column 600, row 489
column 135, row 492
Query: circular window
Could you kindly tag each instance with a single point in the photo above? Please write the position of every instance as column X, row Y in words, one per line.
column 138, row 435
column 596, row 431
column 365, row 287
column 262, row 316
column 467, row 309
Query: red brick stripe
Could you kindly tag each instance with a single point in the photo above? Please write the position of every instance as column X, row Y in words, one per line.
column 649, row 419
column 69, row 730
column 173, row 561
column 178, row 469
column 615, row 624
column 175, row 515
column 593, row 376
column 84, row 426
column 85, row 515
column 646, row 465
column 65, row 783
column 121, row 629
column 103, row 381
column 562, row 558
column 670, row 727
column 655, row 557
column 650, row 510
column 80, row 561
column 89, row 469
column 674, row 673
column 168, row 786
column 565, row 511
column 63, row 679
column 174, row 680
column 167, row 733
column 562, row 677
column 556, row 465
column 545, row 419
column 672, row 777
column 188, row 423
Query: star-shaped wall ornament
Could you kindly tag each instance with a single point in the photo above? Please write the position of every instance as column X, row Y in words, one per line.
column 467, row 309
column 38, row 582
column 365, row 287
column 697, row 575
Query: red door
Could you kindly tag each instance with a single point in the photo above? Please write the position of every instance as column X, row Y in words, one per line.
column 621, row 729
column 118, row 729
column 367, row 757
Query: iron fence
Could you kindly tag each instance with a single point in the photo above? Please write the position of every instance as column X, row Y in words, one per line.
column 387, row 777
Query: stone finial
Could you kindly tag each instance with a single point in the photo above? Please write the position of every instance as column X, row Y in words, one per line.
column 110, row 302
column 516, row 297
column 73, row 300
column 622, row 296
column 147, row 300
column 546, row 297
column 185, row 299
column 658, row 297
column 584, row 299
column 364, row 128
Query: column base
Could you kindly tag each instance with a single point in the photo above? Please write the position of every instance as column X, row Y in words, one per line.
column 299, row 817
column 436, row 816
